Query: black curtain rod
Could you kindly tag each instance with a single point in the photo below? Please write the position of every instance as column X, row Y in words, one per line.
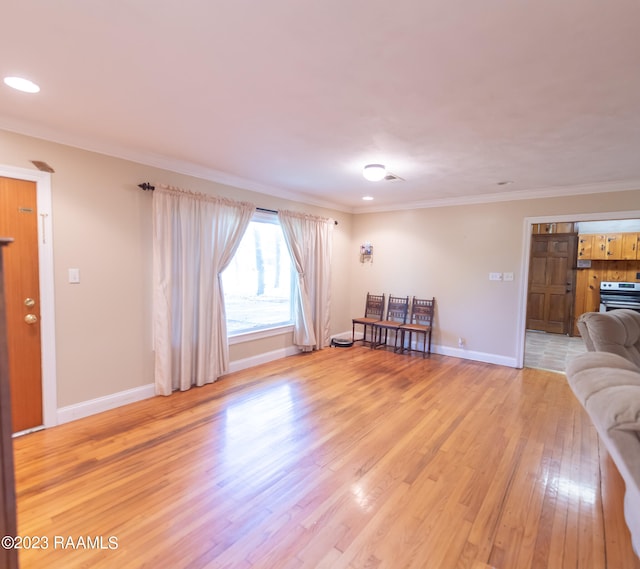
column 146, row 186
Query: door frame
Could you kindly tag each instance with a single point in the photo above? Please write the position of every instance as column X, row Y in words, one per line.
column 47, row 298
column 527, row 226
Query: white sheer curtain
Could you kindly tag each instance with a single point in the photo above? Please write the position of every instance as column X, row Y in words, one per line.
column 195, row 237
column 309, row 241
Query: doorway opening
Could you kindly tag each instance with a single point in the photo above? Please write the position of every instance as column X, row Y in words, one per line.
column 546, row 341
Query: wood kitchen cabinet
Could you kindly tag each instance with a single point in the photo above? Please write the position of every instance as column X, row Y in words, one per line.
column 614, row 246
column 599, row 248
column 630, row 243
column 585, row 245
column 608, row 246
column 592, row 246
column 559, row 227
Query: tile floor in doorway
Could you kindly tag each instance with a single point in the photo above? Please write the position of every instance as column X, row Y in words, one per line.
column 551, row 351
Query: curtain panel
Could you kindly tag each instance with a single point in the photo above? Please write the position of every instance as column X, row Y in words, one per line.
column 194, row 238
column 309, row 239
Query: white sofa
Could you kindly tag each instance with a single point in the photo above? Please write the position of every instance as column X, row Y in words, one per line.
column 606, row 381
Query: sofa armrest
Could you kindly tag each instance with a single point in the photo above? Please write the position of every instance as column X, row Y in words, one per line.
column 584, row 333
column 617, row 332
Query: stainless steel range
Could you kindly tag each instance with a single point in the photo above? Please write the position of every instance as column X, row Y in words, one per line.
column 615, row 295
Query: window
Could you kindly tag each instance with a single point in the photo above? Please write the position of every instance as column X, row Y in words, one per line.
column 258, row 282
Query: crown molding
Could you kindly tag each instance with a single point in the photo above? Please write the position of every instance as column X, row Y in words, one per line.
column 201, row 172
column 162, row 162
column 539, row 193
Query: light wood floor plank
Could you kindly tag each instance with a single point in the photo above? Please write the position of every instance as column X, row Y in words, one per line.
column 346, row 458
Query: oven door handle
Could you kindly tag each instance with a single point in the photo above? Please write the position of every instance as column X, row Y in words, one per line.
column 620, row 304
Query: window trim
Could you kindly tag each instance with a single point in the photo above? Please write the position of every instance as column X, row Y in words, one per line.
column 250, row 336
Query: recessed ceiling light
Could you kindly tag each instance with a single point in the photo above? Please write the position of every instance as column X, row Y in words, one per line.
column 367, row 198
column 374, row 172
column 21, row 84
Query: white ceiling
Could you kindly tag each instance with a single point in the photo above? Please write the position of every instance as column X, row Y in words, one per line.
column 293, row 97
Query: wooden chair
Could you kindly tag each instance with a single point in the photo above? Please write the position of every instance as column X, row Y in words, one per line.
column 420, row 322
column 373, row 311
column 397, row 310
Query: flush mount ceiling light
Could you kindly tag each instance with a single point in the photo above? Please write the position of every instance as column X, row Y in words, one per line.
column 374, row 172
column 367, row 198
column 21, row 84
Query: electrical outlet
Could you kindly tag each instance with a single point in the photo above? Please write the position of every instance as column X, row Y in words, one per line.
column 508, row 276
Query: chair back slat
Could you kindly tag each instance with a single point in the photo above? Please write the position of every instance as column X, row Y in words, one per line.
column 375, row 306
column 422, row 311
column 398, row 308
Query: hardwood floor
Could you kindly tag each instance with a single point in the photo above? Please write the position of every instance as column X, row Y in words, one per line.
column 344, row 458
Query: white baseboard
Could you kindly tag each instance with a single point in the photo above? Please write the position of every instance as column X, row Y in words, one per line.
column 455, row 352
column 93, row 406
column 475, row 356
column 263, row 358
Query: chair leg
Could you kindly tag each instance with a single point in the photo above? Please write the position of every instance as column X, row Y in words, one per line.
column 371, row 334
column 398, row 336
column 377, row 340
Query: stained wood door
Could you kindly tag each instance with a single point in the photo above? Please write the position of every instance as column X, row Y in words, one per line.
column 19, row 220
column 551, row 291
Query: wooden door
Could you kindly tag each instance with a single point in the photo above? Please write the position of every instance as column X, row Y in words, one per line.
column 550, row 297
column 19, row 220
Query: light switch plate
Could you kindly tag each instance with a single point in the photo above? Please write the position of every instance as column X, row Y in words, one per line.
column 74, row 276
column 495, row 276
column 508, row 276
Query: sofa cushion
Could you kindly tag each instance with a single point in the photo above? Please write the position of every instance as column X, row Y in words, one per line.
column 590, row 360
column 590, row 382
column 587, row 383
column 617, row 332
column 616, row 407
